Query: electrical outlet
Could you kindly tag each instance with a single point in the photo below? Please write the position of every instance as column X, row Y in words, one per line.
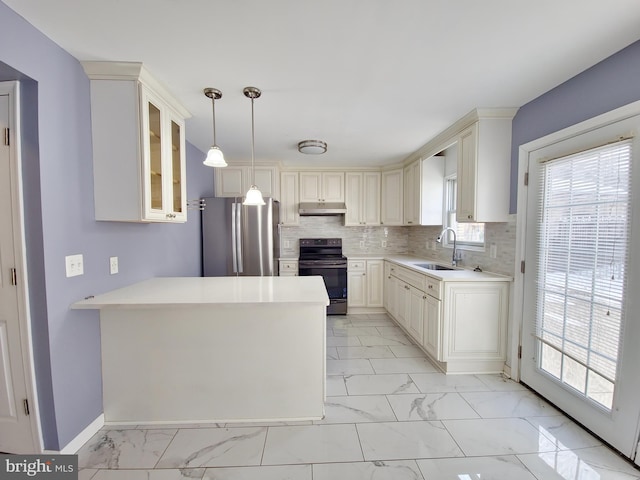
column 113, row 265
column 361, row 243
column 384, row 244
column 74, row 265
column 493, row 250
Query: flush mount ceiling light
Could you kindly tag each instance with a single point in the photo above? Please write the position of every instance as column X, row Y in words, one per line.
column 312, row 147
column 215, row 158
column 253, row 196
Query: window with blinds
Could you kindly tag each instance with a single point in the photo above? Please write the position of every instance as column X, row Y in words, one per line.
column 584, row 233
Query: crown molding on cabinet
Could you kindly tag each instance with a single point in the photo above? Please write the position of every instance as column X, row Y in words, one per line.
column 448, row 137
column 133, row 71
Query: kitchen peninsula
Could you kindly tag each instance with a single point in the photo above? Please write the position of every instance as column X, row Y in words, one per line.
column 214, row 349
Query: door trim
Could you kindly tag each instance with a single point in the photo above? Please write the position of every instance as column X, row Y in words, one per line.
column 524, row 153
column 13, row 90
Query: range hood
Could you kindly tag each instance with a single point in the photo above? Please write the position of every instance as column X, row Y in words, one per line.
column 321, row 209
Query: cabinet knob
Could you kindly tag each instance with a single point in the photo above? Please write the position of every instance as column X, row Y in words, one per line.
column 430, row 287
column 406, row 287
column 424, row 297
column 469, row 217
column 363, row 274
column 409, row 222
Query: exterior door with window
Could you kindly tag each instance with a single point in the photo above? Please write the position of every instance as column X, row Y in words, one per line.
column 581, row 320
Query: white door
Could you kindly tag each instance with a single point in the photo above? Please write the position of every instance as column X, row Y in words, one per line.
column 581, row 325
column 16, row 434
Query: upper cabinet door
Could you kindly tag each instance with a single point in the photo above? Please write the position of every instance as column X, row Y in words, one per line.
column 310, row 187
column 466, row 193
column 322, row 186
column 392, row 198
column 154, row 173
column 484, row 165
column 163, row 164
column 289, row 198
column 333, row 186
column 353, row 199
column 371, row 198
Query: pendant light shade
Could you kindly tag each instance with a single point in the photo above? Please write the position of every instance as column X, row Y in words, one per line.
column 254, row 196
column 215, row 158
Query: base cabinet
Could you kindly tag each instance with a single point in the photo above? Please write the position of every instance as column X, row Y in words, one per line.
column 460, row 325
column 432, row 319
column 365, row 283
column 288, row 268
column 475, row 322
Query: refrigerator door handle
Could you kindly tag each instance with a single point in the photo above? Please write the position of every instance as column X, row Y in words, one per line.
column 239, row 238
column 234, row 240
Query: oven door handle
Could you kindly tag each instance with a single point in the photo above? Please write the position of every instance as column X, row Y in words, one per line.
column 320, row 267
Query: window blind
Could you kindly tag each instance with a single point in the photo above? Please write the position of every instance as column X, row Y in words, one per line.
column 584, row 233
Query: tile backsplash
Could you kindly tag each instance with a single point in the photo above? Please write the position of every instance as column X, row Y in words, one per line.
column 333, row 227
column 404, row 240
column 502, row 235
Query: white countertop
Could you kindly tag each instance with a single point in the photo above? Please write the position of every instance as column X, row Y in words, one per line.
column 221, row 291
column 456, row 275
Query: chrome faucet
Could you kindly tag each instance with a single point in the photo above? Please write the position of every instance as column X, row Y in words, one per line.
column 454, row 256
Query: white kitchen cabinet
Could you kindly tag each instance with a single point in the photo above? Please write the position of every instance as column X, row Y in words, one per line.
column 403, row 304
column 392, row 201
column 390, row 285
column 412, row 193
column 461, row 325
column 484, row 165
column 356, row 286
column 362, row 198
column 365, row 283
column 432, row 190
column 138, row 139
column 235, row 180
column 288, row 268
column 415, row 315
column 289, row 198
column 321, row 186
column 432, row 320
column 474, row 324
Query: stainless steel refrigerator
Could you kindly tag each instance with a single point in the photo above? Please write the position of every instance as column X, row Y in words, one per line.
column 240, row 239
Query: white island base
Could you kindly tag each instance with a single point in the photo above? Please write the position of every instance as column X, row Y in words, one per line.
column 228, row 349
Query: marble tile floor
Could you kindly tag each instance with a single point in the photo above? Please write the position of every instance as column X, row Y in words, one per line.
column 390, row 415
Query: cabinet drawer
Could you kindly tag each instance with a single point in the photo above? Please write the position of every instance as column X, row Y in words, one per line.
column 288, row 266
column 355, row 265
column 414, row 279
column 433, row 287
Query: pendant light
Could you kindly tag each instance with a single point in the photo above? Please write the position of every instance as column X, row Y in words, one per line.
column 254, row 196
column 215, row 158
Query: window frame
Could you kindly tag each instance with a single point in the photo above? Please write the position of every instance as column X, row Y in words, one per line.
column 449, row 215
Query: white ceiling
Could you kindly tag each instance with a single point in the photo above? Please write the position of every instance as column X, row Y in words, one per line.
column 375, row 79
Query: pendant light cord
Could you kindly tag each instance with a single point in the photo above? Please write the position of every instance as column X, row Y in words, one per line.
column 253, row 141
column 213, row 103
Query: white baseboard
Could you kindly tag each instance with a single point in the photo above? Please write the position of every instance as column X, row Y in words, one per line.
column 83, row 437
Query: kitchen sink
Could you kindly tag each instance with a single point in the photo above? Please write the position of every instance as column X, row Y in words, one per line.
column 433, row 266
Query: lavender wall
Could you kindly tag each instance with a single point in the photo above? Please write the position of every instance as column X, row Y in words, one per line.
column 58, row 183
column 610, row 84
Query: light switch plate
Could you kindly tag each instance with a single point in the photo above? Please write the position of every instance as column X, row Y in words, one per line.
column 493, row 250
column 74, row 265
column 113, row 265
